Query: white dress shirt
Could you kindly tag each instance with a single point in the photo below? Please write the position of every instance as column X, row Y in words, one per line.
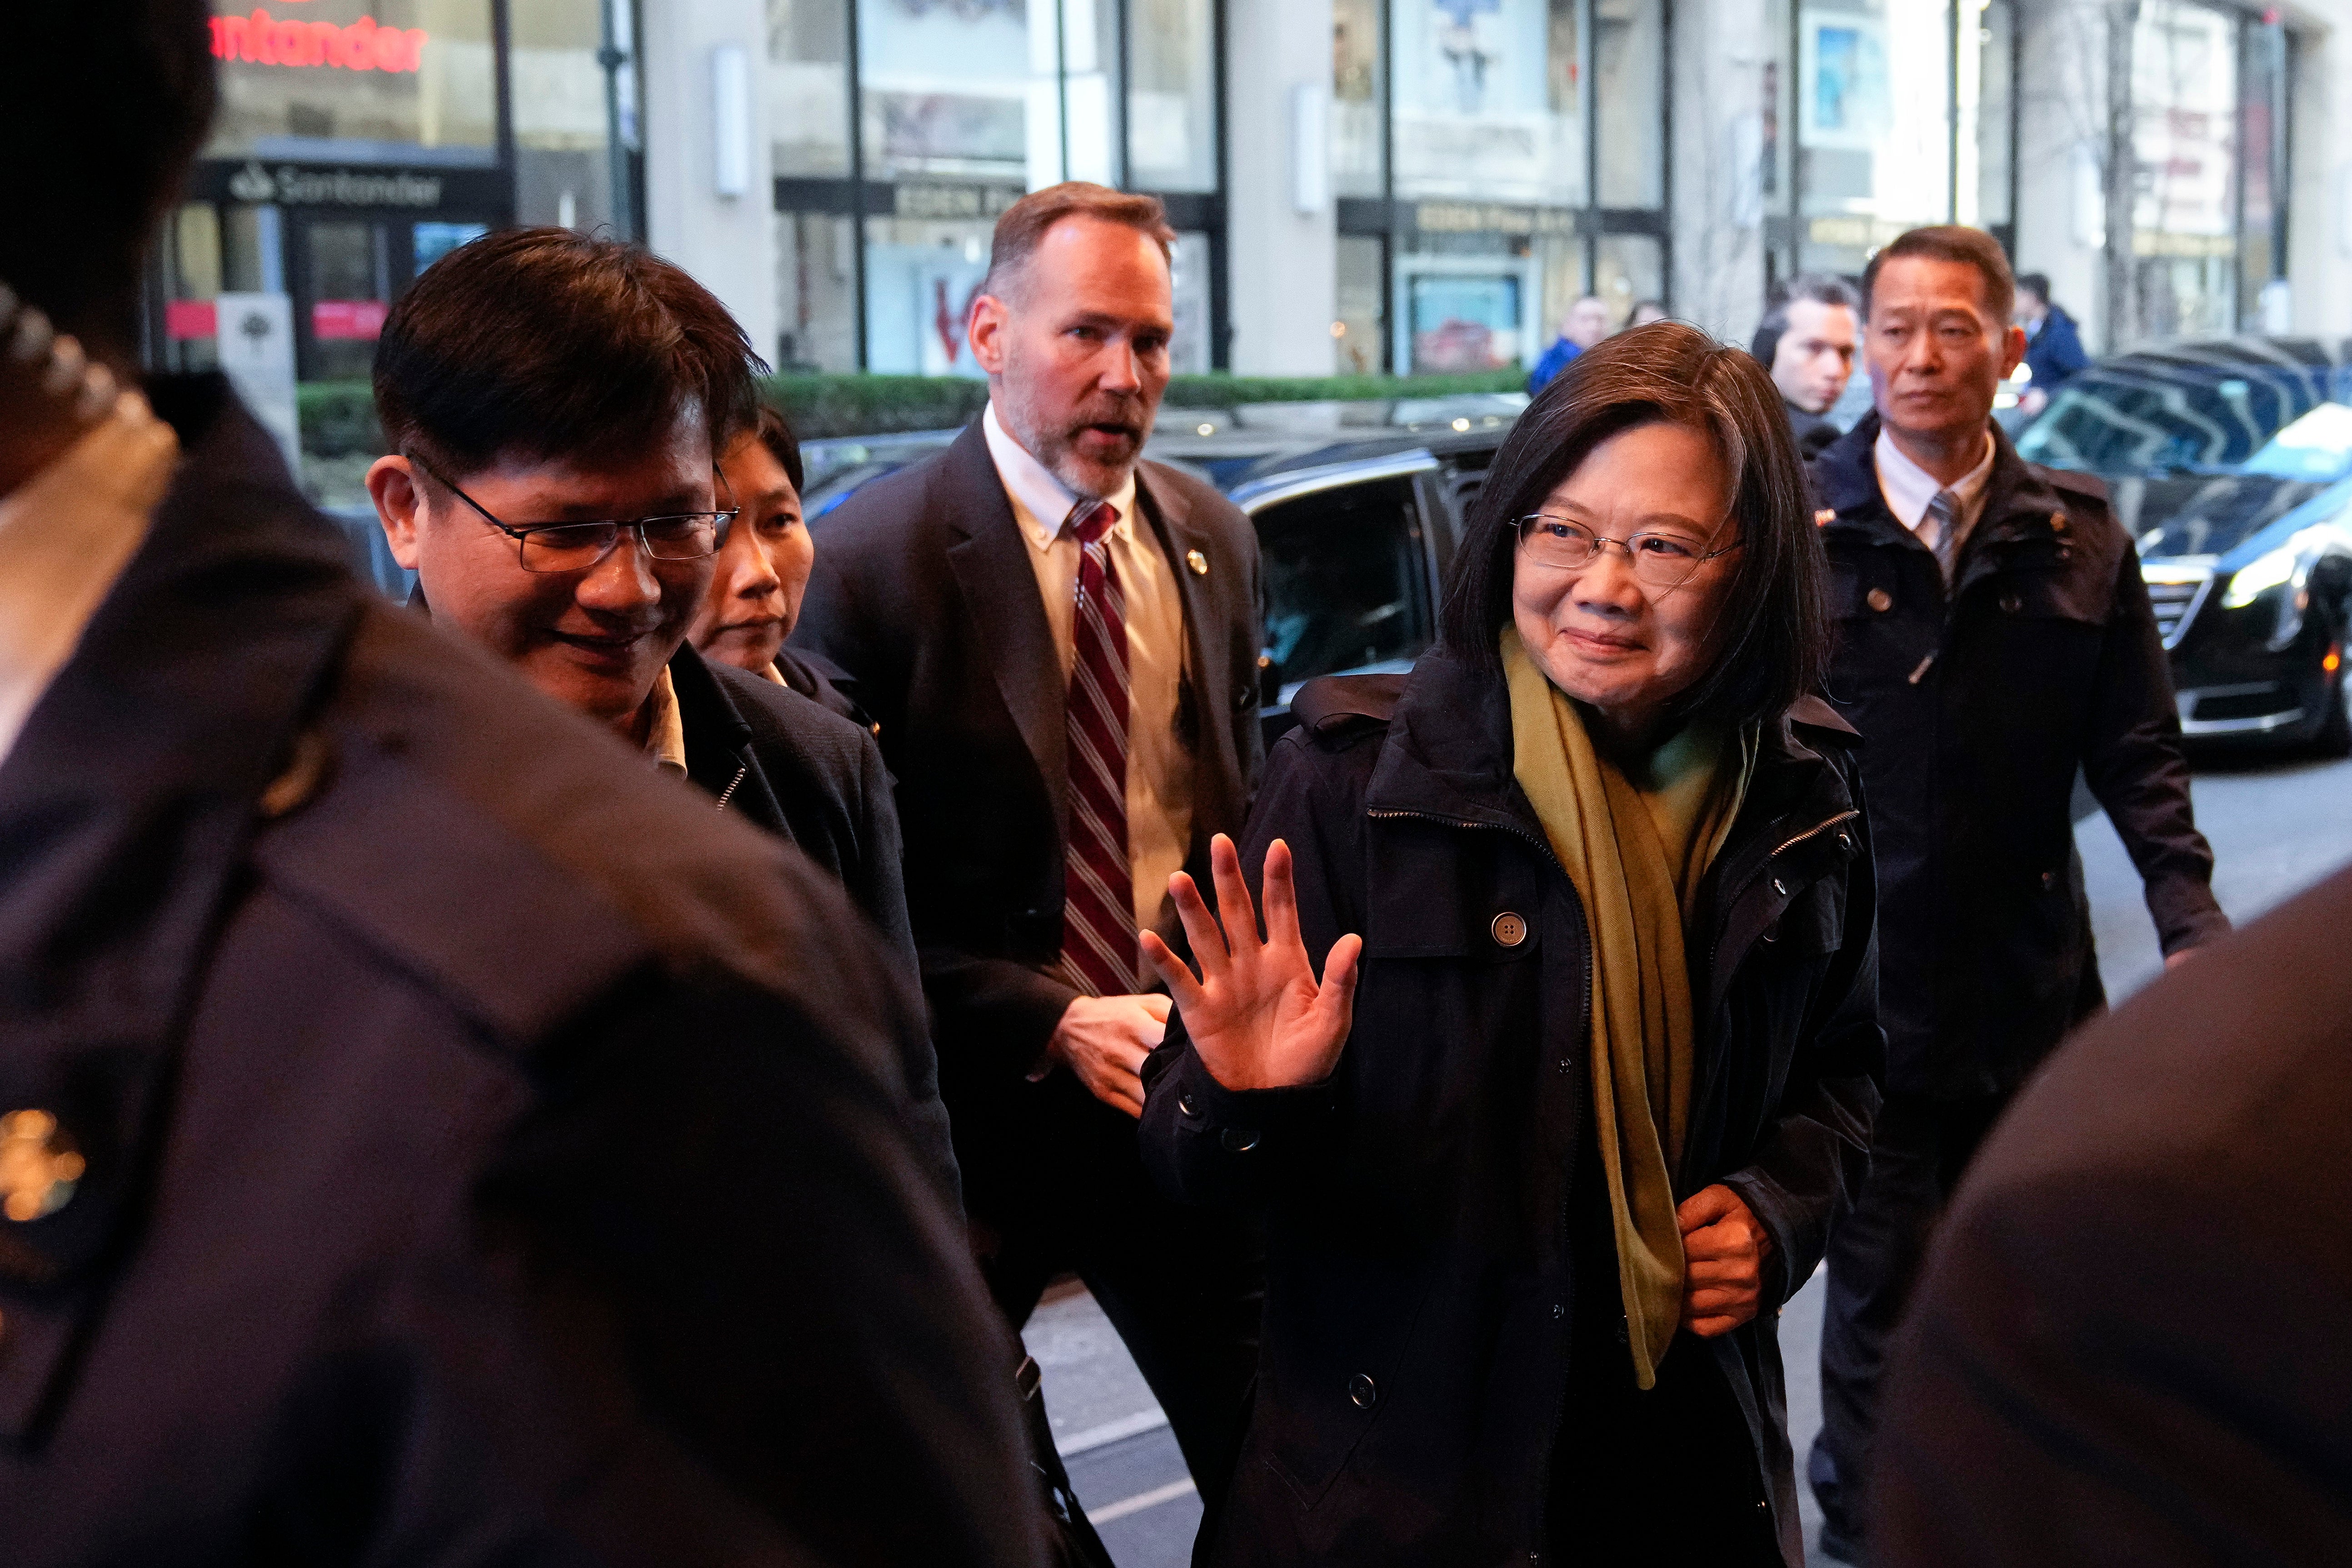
column 1158, row 764
column 1908, row 488
column 65, row 534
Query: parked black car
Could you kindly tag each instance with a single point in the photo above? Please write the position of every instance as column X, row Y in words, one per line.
column 1355, row 535
column 2231, row 464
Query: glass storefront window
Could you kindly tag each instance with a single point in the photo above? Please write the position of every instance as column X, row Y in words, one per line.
column 1876, row 156
column 948, row 88
column 1355, row 332
column 564, row 172
column 1985, row 143
column 2184, row 219
column 920, row 278
column 1629, row 63
column 1488, row 100
column 817, row 292
column 1172, row 103
column 808, row 86
column 356, row 81
column 1628, row 269
column 2262, row 137
column 1189, row 348
column 1356, row 98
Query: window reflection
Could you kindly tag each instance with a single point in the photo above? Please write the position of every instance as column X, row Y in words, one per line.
column 1487, row 100
column 1356, row 99
column 1172, row 101
column 808, row 86
column 563, row 169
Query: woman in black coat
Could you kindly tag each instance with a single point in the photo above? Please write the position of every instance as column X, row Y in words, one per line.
column 1591, row 1067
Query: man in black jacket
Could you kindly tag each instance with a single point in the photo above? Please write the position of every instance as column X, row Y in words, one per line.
column 423, row 1137
column 1807, row 341
column 1994, row 637
column 1059, row 644
column 2126, row 1346
column 502, row 467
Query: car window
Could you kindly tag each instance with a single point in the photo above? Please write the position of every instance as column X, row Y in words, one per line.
column 1346, row 580
column 2138, row 422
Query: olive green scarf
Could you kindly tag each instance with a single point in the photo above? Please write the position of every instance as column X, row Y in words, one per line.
column 1635, row 847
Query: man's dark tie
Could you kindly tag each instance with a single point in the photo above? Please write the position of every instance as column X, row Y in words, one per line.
column 1099, row 935
column 1944, row 509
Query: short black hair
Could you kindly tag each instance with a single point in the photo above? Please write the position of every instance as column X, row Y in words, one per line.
column 544, row 343
column 1952, row 242
column 2036, row 284
column 1775, row 643
column 1821, row 287
column 103, row 104
column 775, row 433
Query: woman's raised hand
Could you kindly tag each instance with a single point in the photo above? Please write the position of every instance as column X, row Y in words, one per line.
column 1256, row 1014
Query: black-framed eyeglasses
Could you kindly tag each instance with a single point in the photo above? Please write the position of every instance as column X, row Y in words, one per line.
column 1663, row 560
column 576, row 546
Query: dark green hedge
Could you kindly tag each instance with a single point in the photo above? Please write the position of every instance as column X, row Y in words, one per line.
column 339, row 417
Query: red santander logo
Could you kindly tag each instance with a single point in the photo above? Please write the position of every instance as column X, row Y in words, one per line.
column 361, row 46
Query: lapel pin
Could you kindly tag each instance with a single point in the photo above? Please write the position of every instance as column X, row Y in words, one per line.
column 1197, row 561
column 1824, row 517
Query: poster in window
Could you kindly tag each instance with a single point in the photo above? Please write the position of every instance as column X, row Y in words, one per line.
column 1846, row 97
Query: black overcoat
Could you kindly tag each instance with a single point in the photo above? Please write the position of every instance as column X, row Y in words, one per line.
column 1978, row 705
column 1419, row 1275
column 486, row 1151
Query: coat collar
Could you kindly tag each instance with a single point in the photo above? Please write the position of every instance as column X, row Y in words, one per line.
column 2019, row 505
column 127, row 807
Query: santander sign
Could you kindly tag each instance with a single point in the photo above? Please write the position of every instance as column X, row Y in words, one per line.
column 361, row 46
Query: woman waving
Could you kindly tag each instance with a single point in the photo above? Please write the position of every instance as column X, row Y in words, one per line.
column 1591, row 1063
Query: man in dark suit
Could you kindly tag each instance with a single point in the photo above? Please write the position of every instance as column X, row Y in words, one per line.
column 425, row 1136
column 2129, row 1343
column 2053, row 344
column 500, row 472
column 1807, row 341
column 1994, row 638
column 1059, row 644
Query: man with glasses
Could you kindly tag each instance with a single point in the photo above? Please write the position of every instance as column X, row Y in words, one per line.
column 547, row 518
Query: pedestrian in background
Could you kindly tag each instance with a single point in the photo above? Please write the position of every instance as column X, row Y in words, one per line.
column 763, row 570
column 1646, row 312
column 425, row 1136
column 1586, row 323
column 2119, row 1351
column 1060, row 643
column 537, row 377
column 1994, row 637
column 1807, row 341
column 1538, row 1182
column 2053, row 344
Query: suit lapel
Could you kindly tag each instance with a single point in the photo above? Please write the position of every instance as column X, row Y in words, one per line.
column 991, row 566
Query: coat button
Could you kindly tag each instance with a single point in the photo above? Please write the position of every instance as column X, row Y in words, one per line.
column 1878, row 599
column 38, row 1165
column 1779, row 887
column 2049, row 880
column 1363, row 1391
column 1184, row 1104
column 1559, row 1311
column 2058, row 522
column 2010, row 603
column 1509, row 930
column 1240, row 1140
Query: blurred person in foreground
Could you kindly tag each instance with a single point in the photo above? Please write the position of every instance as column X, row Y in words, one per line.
column 1059, row 641
column 554, row 402
column 425, row 1136
column 1586, row 323
column 2127, row 1345
column 1588, row 1073
column 2053, row 343
column 1807, row 341
column 763, row 570
column 1994, row 637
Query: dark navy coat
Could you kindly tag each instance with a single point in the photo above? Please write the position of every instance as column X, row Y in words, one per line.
column 1977, row 706
column 484, row 1150
column 1420, row 1276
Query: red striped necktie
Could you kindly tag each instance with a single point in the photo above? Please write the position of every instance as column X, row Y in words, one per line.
column 1099, row 935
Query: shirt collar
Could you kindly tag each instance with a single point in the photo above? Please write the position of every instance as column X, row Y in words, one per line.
column 1041, row 502
column 666, row 731
column 1909, row 487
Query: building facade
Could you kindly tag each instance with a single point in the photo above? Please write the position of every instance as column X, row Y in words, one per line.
column 1358, row 185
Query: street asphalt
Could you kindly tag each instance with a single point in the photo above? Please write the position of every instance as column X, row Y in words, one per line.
column 2278, row 825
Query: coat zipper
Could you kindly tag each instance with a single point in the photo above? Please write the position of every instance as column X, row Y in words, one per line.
column 741, row 773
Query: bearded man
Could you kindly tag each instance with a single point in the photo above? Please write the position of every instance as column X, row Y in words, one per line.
column 1059, row 642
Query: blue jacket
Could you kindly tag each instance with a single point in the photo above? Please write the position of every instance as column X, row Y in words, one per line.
column 1555, row 360
column 2055, row 352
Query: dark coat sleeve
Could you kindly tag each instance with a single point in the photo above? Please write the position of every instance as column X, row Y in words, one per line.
column 1206, row 1143
column 1812, row 1166
column 753, row 1223
column 2132, row 760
